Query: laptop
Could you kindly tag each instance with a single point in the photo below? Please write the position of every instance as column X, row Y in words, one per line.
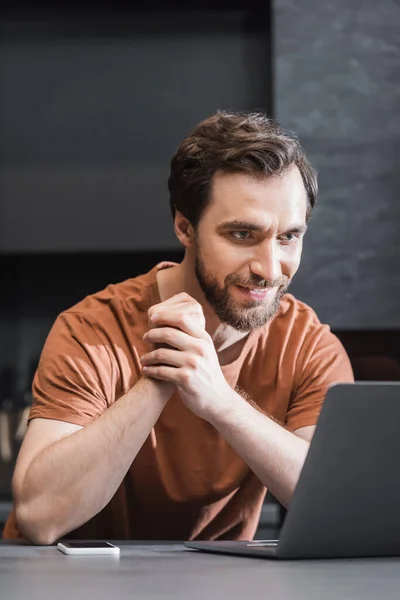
column 347, row 500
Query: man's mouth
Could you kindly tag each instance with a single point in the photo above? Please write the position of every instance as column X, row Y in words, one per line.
column 255, row 293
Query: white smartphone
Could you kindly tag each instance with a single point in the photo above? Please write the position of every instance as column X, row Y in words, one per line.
column 80, row 548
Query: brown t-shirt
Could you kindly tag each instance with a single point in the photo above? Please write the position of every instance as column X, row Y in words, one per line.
column 186, row 481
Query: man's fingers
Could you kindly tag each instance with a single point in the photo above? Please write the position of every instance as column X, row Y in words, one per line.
column 164, row 312
column 165, row 356
column 166, row 373
column 191, row 323
column 179, row 299
column 178, row 311
column 173, row 337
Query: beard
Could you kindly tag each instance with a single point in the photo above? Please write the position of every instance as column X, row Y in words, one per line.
column 242, row 318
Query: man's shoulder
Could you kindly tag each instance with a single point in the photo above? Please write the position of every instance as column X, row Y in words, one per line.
column 129, row 299
column 296, row 313
column 130, row 293
column 296, row 334
column 294, row 326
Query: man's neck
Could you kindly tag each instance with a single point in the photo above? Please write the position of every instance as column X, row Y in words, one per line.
column 175, row 280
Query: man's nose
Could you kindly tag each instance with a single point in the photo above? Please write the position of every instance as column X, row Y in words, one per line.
column 267, row 264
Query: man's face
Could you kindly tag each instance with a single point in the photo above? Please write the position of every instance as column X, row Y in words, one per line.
column 248, row 245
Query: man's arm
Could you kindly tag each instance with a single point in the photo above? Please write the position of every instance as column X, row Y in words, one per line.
column 274, row 454
column 59, row 484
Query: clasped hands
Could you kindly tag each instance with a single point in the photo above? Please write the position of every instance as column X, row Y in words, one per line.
column 190, row 361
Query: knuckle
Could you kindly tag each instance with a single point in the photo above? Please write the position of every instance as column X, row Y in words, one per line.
column 168, row 335
column 185, row 296
column 184, row 320
column 185, row 376
column 193, row 362
column 201, row 350
column 199, row 314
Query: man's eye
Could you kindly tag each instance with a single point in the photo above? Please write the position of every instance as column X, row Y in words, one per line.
column 289, row 238
column 240, row 235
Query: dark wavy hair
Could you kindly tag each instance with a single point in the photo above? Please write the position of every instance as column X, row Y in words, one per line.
column 233, row 142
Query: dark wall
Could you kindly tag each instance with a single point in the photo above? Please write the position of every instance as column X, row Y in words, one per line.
column 93, row 106
column 337, row 83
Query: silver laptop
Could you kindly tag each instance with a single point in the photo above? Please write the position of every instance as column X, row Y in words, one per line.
column 347, row 500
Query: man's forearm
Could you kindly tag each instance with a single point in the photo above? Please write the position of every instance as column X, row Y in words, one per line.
column 274, row 454
column 74, row 478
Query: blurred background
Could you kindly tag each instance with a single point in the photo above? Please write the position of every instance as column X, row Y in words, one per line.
column 93, row 102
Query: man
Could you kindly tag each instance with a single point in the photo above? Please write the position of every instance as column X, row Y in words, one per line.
column 165, row 405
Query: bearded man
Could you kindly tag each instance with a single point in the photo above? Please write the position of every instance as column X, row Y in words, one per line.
column 166, row 405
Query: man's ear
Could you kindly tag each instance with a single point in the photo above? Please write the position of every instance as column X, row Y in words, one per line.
column 183, row 230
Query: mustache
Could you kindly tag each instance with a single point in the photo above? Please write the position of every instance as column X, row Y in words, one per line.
column 254, row 281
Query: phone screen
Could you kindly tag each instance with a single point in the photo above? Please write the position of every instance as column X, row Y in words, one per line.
column 88, row 545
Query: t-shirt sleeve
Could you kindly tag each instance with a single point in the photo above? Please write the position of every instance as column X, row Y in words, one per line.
column 72, row 381
column 322, row 362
